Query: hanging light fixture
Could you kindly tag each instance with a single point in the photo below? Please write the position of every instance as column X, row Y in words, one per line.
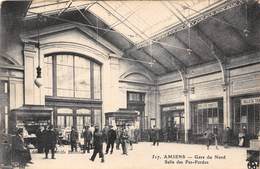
column 189, row 50
column 246, row 30
column 38, row 81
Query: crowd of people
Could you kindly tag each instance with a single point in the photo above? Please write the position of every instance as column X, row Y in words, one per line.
column 213, row 137
column 94, row 138
column 47, row 139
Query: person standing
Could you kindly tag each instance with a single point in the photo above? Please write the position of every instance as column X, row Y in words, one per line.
column 155, row 135
column 87, row 135
column 21, row 154
column 226, row 137
column 73, row 139
column 208, row 135
column 118, row 135
column 124, row 139
column 104, row 133
column 130, row 132
column 39, row 139
column 111, row 137
column 98, row 145
column 215, row 133
column 50, row 139
column 92, row 129
column 242, row 137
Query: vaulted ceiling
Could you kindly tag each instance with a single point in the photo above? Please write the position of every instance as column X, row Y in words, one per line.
column 183, row 35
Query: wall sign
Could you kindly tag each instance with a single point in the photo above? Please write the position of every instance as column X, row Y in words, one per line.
column 255, row 100
column 170, row 108
column 208, row 105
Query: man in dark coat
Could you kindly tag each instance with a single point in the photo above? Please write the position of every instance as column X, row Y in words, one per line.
column 227, row 137
column 111, row 137
column 208, row 135
column 50, row 140
column 21, row 153
column 104, row 133
column 124, row 139
column 73, row 139
column 155, row 135
column 98, row 145
column 39, row 139
column 118, row 134
column 87, row 135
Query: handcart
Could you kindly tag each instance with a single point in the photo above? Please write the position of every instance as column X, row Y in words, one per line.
column 253, row 154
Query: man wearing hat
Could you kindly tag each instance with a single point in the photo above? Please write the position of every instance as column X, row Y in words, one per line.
column 73, row 139
column 87, row 135
column 111, row 137
column 50, row 142
column 98, row 145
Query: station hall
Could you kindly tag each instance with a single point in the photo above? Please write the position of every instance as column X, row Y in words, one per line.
column 173, row 73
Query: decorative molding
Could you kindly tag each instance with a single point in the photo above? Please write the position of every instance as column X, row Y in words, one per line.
column 9, row 58
column 72, row 100
column 64, row 45
column 136, row 82
column 28, row 36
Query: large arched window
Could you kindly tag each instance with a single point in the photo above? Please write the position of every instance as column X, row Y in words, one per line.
column 69, row 75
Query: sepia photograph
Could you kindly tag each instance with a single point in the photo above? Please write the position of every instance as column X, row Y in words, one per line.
column 124, row 84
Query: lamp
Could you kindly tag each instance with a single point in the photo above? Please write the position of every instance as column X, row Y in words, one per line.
column 189, row 51
column 38, row 81
column 246, row 30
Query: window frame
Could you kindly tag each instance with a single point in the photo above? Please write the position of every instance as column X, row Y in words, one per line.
column 92, row 61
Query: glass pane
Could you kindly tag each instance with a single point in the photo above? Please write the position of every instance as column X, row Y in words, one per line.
column 60, row 122
column 200, row 123
column 82, row 77
column 48, row 76
column 97, row 117
column 80, row 123
column 69, row 121
column 83, row 111
column 97, row 81
column 195, row 119
column 64, row 111
column 205, row 120
column 257, row 111
column 65, row 76
column 87, row 120
column 251, row 113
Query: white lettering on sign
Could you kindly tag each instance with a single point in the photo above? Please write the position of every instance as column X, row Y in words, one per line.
column 208, row 105
column 249, row 101
column 173, row 108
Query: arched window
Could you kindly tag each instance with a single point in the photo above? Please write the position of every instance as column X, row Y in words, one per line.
column 69, row 75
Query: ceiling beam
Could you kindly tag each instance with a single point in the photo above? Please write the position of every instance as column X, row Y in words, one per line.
column 240, row 33
column 179, row 64
column 216, row 52
column 129, row 55
column 222, row 6
column 193, row 53
column 167, row 70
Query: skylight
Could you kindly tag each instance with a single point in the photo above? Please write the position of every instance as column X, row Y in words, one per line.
column 135, row 20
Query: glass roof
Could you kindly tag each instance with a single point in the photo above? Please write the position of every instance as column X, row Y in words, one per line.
column 135, row 20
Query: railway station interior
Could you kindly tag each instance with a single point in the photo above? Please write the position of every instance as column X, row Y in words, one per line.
column 182, row 66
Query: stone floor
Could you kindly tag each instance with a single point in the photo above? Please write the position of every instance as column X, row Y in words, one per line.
column 144, row 155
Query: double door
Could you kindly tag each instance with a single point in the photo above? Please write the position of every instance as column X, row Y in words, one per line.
column 173, row 125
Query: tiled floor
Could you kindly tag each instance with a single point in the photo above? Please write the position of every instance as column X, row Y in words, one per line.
column 145, row 155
